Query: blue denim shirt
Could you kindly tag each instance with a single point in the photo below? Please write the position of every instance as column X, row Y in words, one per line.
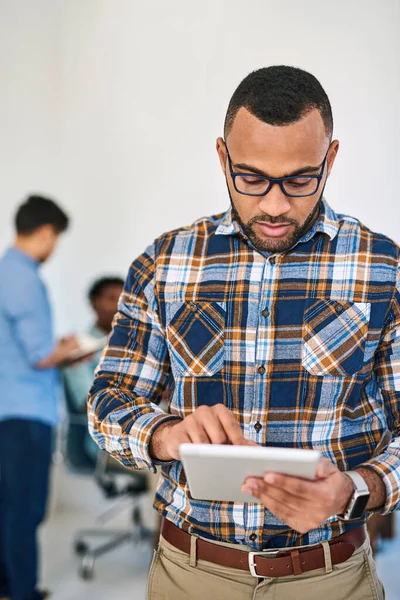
column 26, row 337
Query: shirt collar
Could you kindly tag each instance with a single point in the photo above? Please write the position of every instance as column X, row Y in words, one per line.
column 327, row 223
column 21, row 257
column 228, row 225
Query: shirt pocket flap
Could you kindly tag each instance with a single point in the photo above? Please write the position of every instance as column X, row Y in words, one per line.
column 334, row 335
column 195, row 336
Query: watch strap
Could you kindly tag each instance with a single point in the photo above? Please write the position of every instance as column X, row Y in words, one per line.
column 360, row 490
column 359, row 483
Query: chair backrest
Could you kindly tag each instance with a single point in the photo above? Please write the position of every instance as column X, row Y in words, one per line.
column 75, row 435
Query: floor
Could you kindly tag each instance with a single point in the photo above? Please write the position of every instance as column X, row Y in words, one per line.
column 121, row 575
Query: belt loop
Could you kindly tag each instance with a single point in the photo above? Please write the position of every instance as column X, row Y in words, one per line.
column 327, row 555
column 296, row 562
column 193, row 551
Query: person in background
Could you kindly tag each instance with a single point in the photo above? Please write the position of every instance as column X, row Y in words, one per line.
column 103, row 296
column 29, row 357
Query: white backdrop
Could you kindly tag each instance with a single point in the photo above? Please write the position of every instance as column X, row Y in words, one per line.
column 113, row 107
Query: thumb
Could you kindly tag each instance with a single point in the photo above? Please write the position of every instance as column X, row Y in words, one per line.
column 325, row 468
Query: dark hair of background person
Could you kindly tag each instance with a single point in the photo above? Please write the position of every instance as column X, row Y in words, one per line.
column 280, row 95
column 97, row 288
column 38, row 211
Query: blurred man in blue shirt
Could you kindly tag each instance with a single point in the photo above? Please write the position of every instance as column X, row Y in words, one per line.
column 29, row 357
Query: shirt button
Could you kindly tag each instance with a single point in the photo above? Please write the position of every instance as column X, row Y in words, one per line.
column 193, row 306
column 272, row 260
column 258, row 426
column 339, row 308
column 265, row 312
column 261, row 370
column 253, row 537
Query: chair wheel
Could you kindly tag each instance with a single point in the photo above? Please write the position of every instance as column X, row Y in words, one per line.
column 86, row 573
column 80, row 547
column 136, row 516
column 86, row 568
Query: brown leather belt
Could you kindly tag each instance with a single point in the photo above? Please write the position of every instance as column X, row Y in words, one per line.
column 269, row 563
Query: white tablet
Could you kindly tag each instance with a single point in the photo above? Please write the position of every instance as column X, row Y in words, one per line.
column 217, row 472
column 88, row 345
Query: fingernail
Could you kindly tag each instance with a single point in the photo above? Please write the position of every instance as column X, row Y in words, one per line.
column 251, row 483
column 269, row 478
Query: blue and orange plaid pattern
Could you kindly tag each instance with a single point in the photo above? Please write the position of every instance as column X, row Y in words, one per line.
column 303, row 348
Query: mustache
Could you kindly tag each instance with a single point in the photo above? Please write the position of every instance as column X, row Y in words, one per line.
column 279, row 220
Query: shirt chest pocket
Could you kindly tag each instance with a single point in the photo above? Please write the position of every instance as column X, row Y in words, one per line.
column 195, row 336
column 334, row 335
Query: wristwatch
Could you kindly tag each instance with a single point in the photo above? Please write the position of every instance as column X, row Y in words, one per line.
column 359, row 500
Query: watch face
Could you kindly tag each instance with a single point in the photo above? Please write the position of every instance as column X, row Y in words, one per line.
column 359, row 507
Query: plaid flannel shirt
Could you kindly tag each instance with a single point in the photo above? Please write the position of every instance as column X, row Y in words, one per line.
column 303, row 348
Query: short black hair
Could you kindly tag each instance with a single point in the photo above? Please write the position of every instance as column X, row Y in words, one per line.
column 37, row 211
column 280, row 95
column 98, row 287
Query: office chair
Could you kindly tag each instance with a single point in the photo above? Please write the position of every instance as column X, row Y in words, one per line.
column 106, row 472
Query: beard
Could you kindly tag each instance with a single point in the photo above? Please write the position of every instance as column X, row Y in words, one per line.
column 276, row 245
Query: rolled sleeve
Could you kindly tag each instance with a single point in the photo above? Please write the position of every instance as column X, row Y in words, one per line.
column 387, row 466
column 141, row 434
column 123, row 402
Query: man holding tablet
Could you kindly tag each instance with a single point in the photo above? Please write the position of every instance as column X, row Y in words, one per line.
column 280, row 324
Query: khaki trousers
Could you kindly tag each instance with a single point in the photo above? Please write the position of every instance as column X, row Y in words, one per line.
column 176, row 576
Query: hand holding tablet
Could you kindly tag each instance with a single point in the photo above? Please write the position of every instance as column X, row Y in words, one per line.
column 298, row 486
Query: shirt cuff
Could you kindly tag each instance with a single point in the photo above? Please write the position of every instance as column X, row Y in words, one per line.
column 140, row 436
column 387, row 466
column 36, row 355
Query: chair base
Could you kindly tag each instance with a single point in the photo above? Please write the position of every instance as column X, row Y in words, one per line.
column 112, row 538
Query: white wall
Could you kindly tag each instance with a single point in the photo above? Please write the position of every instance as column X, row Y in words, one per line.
column 129, row 96
column 30, row 106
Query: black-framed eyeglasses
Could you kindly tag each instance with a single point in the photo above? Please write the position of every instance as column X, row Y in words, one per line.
column 294, row 186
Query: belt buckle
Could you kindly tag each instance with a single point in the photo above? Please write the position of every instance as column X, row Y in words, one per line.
column 252, row 563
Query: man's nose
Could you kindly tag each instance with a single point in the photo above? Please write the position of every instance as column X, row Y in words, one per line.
column 275, row 203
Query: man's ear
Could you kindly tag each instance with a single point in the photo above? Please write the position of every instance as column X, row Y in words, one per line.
column 222, row 155
column 333, row 150
column 45, row 232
